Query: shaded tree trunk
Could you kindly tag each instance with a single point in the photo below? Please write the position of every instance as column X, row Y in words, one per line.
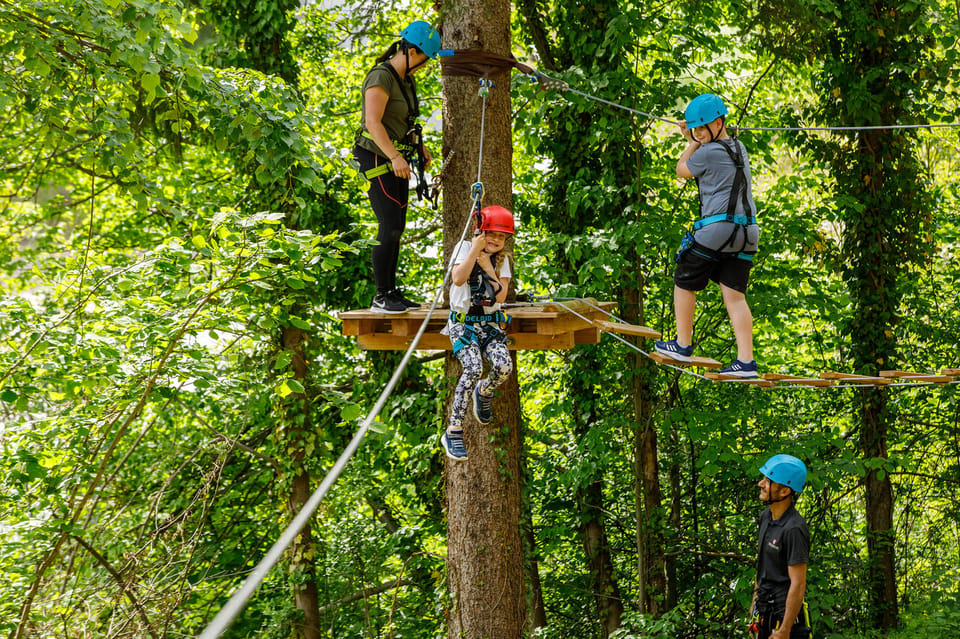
column 878, row 502
column 651, row 559
column 302, row 552
column 484, row 551
column 590, row 499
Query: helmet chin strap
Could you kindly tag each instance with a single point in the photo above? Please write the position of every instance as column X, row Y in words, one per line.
column 713, row 136
column 774, row 501
column 406, row 56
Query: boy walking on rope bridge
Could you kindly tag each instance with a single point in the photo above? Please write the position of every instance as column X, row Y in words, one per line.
column 481, row 277
column 724, row 239
column 783, row 543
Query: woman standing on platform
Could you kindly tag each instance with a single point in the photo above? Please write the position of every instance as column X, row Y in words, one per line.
column 388, row 141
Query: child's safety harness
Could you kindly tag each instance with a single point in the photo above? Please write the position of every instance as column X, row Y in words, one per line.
column 738, row 190
column 483, row 292
column 411, row 146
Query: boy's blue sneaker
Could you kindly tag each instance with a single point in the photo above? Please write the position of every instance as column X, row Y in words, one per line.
column 452, row 443
column 741, row 369
column 482, row 406
column 673, row 350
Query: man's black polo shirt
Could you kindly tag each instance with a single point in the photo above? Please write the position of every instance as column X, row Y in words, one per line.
column 781, row 543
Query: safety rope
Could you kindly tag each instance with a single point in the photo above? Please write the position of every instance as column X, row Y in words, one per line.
column 547, row 299
column 239, row 599
column 553, row 83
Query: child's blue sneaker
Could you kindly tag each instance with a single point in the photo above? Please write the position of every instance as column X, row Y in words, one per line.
column 673, row 350
column 452, row 443
column 482, row 406
column 741, row 369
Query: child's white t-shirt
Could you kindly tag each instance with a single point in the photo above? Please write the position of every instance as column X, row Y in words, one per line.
column 460, row 295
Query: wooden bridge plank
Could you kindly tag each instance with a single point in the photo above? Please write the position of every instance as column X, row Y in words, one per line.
column 797, row 380
column 869, row 380
column 753, row 381
column 627, row 329
column 908, row 376
column 701, row 362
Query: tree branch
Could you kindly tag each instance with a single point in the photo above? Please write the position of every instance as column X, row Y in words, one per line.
column 120, row 582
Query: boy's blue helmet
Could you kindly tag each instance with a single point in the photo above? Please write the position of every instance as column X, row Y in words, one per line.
column 424, row 37
column 786, row 470
column 703, row 109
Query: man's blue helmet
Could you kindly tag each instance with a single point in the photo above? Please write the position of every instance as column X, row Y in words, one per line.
column 786, row 470
column 424, row 37
column 703, row 109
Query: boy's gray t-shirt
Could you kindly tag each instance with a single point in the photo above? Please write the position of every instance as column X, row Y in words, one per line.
column 715, row 171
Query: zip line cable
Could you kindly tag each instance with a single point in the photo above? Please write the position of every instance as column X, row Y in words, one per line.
column 553, row 83
column 239, row 599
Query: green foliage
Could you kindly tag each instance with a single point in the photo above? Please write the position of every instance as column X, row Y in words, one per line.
column 175, row 197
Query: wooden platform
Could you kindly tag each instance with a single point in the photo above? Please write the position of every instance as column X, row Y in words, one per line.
column 534, row 327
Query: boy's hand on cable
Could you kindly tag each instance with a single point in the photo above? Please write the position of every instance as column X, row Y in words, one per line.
column 687, row 133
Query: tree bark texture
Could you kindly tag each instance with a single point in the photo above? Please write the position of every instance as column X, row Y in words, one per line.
column 590, row 501
column 651, row 559
column 878, row 503
column 484, row 550
column 303, row 551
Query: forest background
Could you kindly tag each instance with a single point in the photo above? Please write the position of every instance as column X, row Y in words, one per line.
column 180, row 226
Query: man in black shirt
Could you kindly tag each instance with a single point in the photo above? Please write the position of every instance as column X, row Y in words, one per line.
column 779, row 610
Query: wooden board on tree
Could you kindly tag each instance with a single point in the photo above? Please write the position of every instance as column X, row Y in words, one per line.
column 627, row 329
column 909, row 376
column 953, row 372
column 700, row 362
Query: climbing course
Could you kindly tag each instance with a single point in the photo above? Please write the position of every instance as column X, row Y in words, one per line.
column 540, row 323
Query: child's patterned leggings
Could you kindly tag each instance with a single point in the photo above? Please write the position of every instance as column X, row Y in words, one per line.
column 498, row 357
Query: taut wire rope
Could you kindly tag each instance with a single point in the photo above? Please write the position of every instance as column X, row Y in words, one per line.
column 239, row 599
column 553, row 83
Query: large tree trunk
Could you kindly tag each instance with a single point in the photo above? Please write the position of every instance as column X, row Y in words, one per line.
column 879, row 510
column 484, row 552
column 297, row 424
column 652, row 565
column 590, row 500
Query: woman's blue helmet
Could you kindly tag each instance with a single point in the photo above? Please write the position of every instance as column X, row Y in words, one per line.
column 703, row 109
column 786, row 470
column 424, row 37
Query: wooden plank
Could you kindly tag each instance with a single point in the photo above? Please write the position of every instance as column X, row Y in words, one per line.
column 391, row 342
column 842, row 378
column 799, row 381
column 587, row 336
column 754, row 381
column 701, row 362
column 908, row 376
column 580, row 306
column 364, row 326
column 950, row 371
column 565, row 323
column 627, row 329
column 438, row 342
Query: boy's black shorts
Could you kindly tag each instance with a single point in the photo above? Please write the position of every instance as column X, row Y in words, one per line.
column 698, row 265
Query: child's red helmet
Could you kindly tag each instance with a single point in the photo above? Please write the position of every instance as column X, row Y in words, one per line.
column 496, row 218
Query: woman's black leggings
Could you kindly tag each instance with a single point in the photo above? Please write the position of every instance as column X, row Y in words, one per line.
column 388, row 197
